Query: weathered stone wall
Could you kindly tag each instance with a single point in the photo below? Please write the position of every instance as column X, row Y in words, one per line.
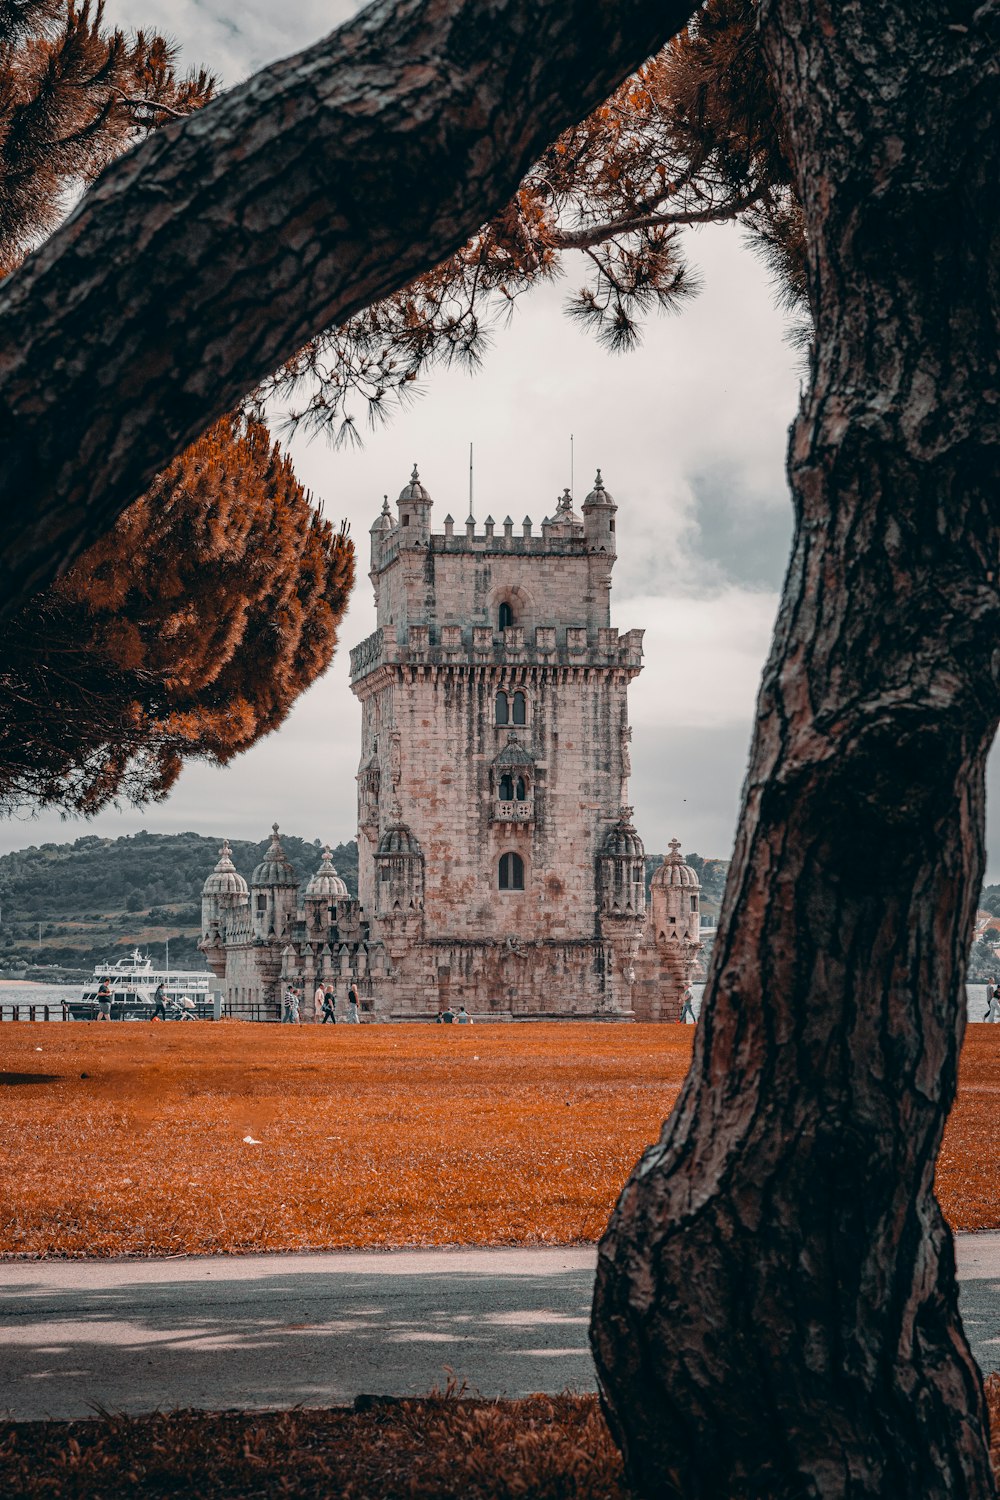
column 433, row 925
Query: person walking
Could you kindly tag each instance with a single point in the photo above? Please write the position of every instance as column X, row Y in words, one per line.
column 329, row 1005
column 353, row 1006
column 319, row 995
column 159, row 1003
column 104, row 1000
column 993, row 1001
column 687, row 1009
column 290, row 1014
column 991, row 990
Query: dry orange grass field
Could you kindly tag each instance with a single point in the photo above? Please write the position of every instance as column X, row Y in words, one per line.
column 361, row 1136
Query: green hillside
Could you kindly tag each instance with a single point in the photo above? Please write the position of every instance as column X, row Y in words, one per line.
column 76, row 905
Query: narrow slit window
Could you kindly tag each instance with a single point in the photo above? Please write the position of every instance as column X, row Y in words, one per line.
column 518, row 715
column 506, row 789
column 522, row 791
column 502, row 709
column 505, row 616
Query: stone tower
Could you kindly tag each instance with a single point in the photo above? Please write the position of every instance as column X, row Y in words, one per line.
column 671, row 941
column 494, row 762
column 498, row 864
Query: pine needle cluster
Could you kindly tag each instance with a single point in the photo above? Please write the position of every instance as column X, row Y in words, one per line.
column 693, row 138
column 190, row 629
column 186, row 633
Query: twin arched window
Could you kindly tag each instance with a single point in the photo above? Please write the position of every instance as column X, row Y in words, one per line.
column 505, row 616
column 511, row 872
column 510, row 708
column 511, row 790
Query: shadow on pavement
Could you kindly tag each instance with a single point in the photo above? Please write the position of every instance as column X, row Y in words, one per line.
column 303, row 1337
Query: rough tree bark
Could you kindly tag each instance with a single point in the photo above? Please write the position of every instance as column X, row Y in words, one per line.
column 776, row 1308
column 211, row 253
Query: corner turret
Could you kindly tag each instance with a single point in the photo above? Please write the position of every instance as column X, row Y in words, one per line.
column 273, row 888
column 222, row 896
column 599, row 510
column 414, row 513
column 380, row 529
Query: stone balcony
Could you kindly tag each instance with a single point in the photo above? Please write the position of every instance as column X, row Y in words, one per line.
column 513, row 812
column 481, row 645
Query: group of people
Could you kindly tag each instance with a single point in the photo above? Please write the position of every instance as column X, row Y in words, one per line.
column 449, row 1017
column 184, row 1007
column 992, row 1001
column 324, row 1006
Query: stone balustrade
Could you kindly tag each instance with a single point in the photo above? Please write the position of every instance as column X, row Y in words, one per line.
column 483, row 646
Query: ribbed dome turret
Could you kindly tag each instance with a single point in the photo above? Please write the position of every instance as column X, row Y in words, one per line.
column 275, row 868
column 565, row 514
column 225, row 879
column 599, row 495
column 674, row 871
column 623, row 841
column 326, row 881
column 383, row 521
column 399, row 839
column 414, row 492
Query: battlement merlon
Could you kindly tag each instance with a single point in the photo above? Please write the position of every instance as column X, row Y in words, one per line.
column 563, row 534
column 462, row 646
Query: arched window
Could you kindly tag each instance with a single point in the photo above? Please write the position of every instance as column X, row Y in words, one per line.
column 505, row 616
column 506, row 789
column 517, row 717
column 502, row 711
column 511, row 872
column 522, row 794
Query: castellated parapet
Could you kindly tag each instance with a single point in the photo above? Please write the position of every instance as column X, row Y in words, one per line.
column 498, row 864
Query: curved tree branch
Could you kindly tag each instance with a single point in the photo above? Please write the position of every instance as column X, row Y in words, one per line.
column 598, row 234
column 210, row 254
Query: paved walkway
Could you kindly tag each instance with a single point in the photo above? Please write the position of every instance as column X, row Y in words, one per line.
column 271, row 1331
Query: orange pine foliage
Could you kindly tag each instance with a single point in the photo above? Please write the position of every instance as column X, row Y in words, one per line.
column 187, row 632
column 361, row 1136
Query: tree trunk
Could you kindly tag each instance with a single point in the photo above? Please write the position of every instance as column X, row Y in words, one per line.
column 210, row 254
column 776, row 1306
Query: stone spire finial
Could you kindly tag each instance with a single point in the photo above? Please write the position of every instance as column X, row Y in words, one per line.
column 414, row 477
column 385, row 505
column 598, row 481
column 675, row 852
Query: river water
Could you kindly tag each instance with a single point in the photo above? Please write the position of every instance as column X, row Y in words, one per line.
column 53, row 994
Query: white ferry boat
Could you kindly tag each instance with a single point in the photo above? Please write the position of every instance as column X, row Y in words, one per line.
column 134, row 982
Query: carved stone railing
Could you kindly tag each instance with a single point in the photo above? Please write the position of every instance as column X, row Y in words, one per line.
column 513, row 812
column 367, row 654
column 451, row 645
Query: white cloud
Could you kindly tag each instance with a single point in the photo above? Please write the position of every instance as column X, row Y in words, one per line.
column 702, row 661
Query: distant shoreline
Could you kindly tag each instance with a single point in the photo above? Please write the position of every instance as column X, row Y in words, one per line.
column 37, row 984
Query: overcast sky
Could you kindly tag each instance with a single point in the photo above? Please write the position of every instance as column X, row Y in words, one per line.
column 690, row 433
